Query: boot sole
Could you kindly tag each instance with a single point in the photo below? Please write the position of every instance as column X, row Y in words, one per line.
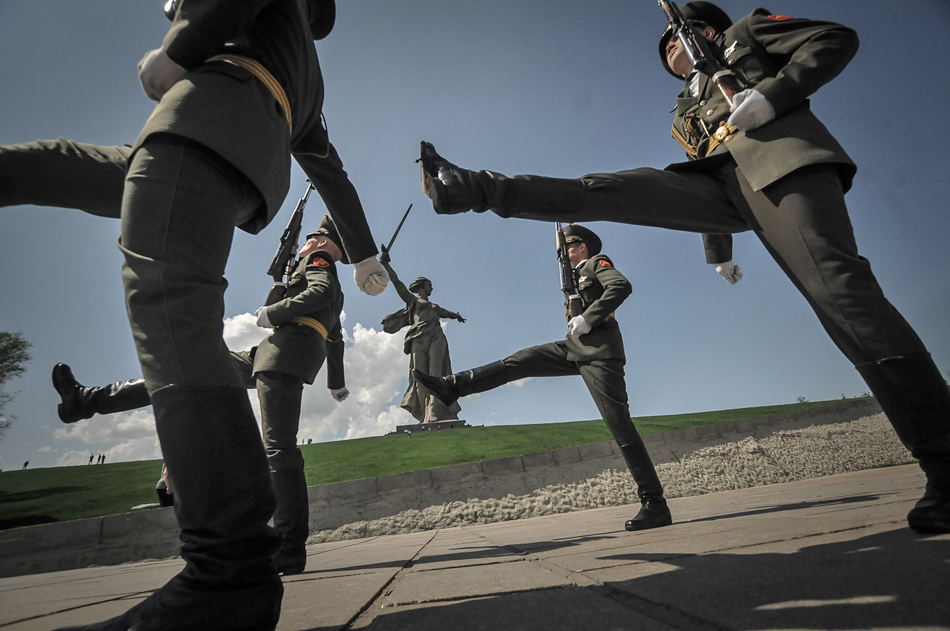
column 432, row 186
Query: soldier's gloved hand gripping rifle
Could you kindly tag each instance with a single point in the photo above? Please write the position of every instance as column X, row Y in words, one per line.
column 572, row 299
column 700, row 54
column 286, row 257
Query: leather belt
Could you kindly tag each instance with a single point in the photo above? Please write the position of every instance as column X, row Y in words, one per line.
column 259, row 71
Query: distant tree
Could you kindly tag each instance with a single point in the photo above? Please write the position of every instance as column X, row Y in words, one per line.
column 801, row 400
column 14, row 353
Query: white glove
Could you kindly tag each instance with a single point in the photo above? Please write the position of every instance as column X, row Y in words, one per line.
column 578, row 326
column 339, row 394
column 370, row 276
column 158, row 73
column 750, row 109
column 729, row 271
column 262, row 320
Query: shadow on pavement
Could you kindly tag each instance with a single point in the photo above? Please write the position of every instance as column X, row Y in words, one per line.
column 896, row 579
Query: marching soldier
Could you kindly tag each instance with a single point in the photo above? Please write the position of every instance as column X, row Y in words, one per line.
column 239, row 91
column 763, row 163
column 592, row 349
column 307, row 332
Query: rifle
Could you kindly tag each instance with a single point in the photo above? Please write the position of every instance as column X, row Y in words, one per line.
column 699, row 52
column 572, row 299
column 286, row 257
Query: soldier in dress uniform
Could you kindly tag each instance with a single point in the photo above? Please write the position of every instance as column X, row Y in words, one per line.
column 593, row 349
column 239, row 91
column 307, row 332
column 763, row 163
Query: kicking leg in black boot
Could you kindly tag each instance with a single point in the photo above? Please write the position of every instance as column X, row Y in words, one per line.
column 453, row 190
column 80, row 402
column 450, row 388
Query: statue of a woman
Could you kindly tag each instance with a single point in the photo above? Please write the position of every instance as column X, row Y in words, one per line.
column 425, row 344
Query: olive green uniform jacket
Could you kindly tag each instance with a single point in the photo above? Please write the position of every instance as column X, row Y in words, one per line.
column 787, row 60
column 298, row 350
column 602, row 289
column 251, row 131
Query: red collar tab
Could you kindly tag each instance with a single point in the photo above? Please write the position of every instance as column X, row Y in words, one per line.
column 779, row 18
column 319, row 258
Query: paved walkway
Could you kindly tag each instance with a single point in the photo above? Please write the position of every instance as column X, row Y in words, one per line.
column 828, row 553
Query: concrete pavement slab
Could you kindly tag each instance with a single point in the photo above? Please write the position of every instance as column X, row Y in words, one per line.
column 471, row 581
column 827, row 553
column 883, row 576
column 329, row 603
column 37, row 595
column 562, row 609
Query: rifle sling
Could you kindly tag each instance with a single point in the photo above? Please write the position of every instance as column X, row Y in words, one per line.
column 310, row 322
column 259, row 71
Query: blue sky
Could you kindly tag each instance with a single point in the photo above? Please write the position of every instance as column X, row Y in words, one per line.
column 516, row 86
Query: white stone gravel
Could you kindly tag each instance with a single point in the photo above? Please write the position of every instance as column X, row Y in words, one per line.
column 783, row 456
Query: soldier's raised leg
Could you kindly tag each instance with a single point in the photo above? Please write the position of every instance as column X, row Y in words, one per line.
column 80, row 402
column 604, row 380
column 65, row 174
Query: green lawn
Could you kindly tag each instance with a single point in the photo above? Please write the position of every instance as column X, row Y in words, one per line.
column 37, row 496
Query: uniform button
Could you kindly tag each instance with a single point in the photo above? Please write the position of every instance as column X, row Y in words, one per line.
column 702, row 103
column 709, row 112
column 722, row 123
column 728, row 138
column 732, row 61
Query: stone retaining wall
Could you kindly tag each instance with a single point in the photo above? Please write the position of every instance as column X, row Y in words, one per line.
column 335, row 508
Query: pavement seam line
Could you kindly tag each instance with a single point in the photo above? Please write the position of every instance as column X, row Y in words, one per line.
column 661, row 612
column 144, row 594
column 382, row 590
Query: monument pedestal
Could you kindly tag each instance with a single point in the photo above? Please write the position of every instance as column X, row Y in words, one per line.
column 430, row 427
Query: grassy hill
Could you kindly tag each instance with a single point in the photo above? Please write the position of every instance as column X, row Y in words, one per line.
column 37, row 496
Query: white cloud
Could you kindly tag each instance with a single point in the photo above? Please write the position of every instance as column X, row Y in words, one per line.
column 241, row 332
column 375, row 367
column 72, row 457
column 121, row 437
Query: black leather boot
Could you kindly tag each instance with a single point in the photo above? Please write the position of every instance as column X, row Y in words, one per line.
column 224, row 499
column 80, row 402
column 452, row 189
column 456, row 190
column 448, row 389
column 654, row 512
column 292, row 520
column 916, row 400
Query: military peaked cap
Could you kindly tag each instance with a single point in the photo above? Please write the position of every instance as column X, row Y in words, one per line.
column 321, row 15
column 574, row 233
column 329, row 229
column 697, row 11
